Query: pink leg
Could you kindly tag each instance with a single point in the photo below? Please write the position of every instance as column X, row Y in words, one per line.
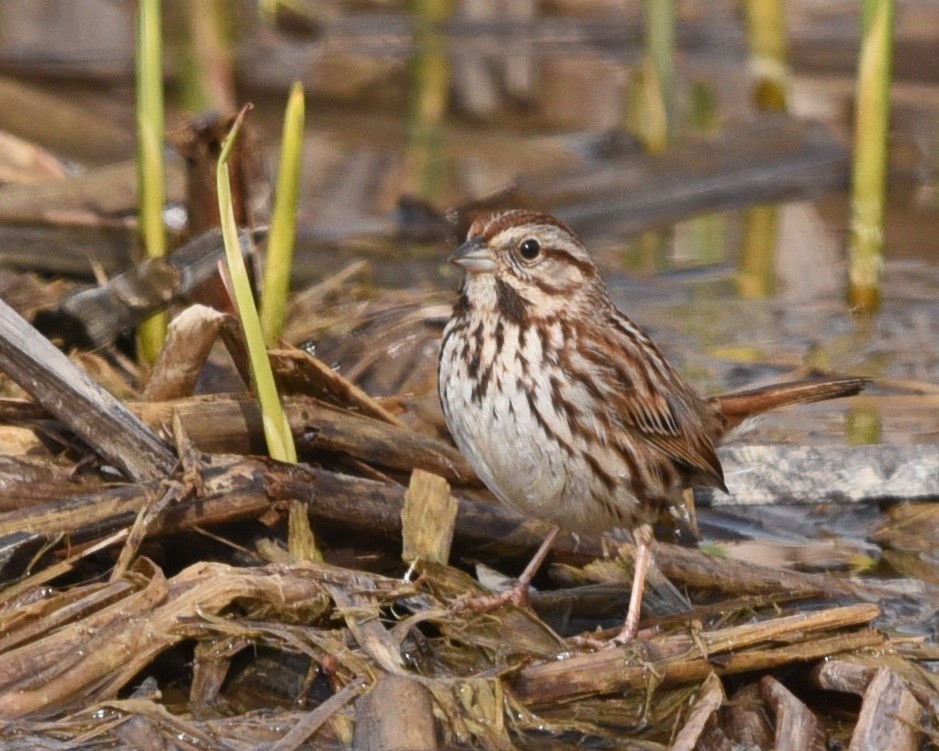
column 643, row 538
column 517, row 594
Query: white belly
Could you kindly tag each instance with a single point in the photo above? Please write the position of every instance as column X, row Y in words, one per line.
column 516, row 452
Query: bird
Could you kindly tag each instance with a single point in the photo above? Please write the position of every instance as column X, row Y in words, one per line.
column 565, row 408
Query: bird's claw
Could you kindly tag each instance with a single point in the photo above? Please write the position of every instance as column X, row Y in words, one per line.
column 516, row 595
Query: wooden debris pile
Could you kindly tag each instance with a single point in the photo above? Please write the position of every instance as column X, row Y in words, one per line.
column 164, row 590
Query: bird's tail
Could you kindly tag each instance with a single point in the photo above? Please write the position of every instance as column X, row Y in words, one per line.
column 736, row 407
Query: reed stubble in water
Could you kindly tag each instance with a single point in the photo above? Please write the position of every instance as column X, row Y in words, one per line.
column 565, row 408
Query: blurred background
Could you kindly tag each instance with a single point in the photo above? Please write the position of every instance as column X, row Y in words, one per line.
column 703, row 150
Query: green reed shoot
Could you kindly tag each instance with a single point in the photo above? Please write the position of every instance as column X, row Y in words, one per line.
column 658, row 76
column 207, row 75
column 276, row 428
column 429, row 97
column 150, row 169
column 283, row 234
column 766, row 26
column 872, row 120
column 766, row 29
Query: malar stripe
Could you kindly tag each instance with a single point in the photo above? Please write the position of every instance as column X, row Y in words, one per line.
column 512, row 306
column 462, row 305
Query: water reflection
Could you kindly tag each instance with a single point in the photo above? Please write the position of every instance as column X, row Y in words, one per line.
column 430, row 86
column 452, row 100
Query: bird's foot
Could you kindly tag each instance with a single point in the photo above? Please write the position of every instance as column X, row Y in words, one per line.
column 629, row 631
column 516, row 595
column 601, row 641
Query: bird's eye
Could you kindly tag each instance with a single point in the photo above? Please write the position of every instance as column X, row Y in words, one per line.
column 530, row 249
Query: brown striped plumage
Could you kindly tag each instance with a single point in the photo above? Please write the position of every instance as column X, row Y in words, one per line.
column 565, row 408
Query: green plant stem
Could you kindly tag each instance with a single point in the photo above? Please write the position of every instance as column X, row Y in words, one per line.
column 150, row 168
column 660, row 73
column 284, row 221
column 277, row 433
column 207, row 73
column 766, row 24
column 430, row 97
column 872, row 121
column 756, row 276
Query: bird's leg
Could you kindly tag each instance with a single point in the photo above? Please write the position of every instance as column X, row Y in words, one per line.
column 643, row 538
column 517, row 594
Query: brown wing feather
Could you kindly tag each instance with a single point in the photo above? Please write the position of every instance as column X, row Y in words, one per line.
column 654, row 402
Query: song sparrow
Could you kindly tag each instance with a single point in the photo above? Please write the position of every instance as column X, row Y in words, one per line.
column 564, row 407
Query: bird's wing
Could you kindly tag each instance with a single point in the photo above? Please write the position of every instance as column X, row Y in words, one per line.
column 654, row 402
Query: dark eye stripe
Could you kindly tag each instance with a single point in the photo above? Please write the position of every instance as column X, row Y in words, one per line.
column 586, row 267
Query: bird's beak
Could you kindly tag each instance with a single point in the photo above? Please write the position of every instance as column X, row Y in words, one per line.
column 474, row 256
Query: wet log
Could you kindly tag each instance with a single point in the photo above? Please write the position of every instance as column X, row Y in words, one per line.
column 396, row 715
column 67, row 248
column 241, row 488
column 818, row 46
column 234, row 490
column 103, row 422
column 94, row 317
column 890, row 716
column 839, row 675
column 58, row 226
column 820, row 39
column 709, row 700
column 376, row 507
column 681, row 658
column 745, row 719
column 81, row 132
column 232, row 424
column 31, row 479
column 695, row 568
column 797, row 728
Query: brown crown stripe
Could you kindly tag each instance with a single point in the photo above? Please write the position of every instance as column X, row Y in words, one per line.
column 490, row 225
